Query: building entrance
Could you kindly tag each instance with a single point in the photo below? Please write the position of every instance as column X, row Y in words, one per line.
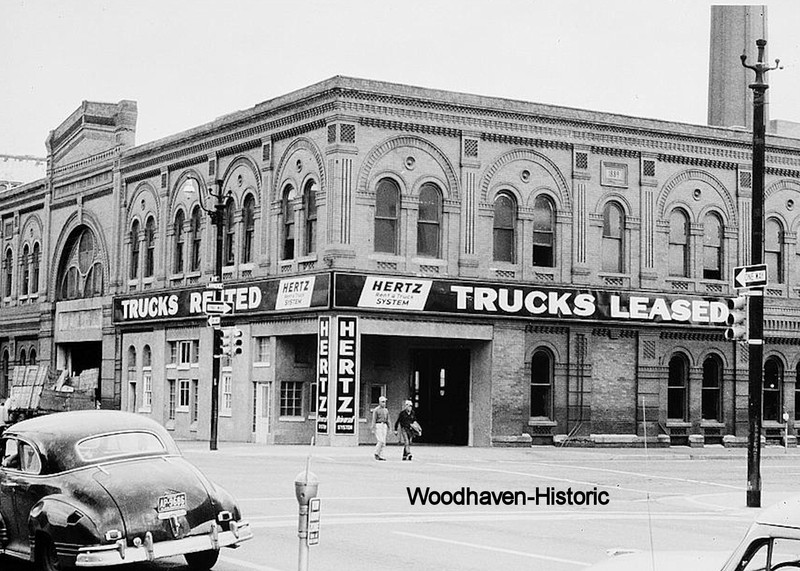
column 440, row 382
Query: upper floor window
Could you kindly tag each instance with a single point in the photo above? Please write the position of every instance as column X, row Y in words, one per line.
column 132, row 364
column 197, row 239
column 23, row 357
column 228, row 234
column 387, row 215
column 26, row 271
column 8, row 272
column 32, row 356
column 773, row 251
column 80, row 271
column 429, row 221
column 543, row 232
column 542, row 384
column 310, row 210
column 678, row 243
column 249, row 224
column 613, row 238
column 287, row 219
column 712, row 247
column 134, row 236
column 180, row 242
column 35, row 268
column 150, row 247
column 504, row 228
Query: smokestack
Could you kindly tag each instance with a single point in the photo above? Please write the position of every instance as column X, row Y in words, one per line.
column 734, row 31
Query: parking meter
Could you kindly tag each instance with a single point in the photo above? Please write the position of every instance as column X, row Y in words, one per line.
column 306, row 485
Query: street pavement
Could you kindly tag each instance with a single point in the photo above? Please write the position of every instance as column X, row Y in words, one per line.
column 675, row 498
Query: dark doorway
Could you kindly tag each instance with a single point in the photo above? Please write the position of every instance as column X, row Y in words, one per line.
column 440, row 384
column 80, row 357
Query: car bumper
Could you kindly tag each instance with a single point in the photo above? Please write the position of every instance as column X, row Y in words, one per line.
column 120, row 553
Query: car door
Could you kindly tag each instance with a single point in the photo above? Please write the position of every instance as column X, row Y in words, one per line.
column 9, row 480
column 21, row 482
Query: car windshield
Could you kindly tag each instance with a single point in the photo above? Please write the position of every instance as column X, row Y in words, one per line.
column 108, row 446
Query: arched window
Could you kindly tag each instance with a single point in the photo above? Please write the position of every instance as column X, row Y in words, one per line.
column 147, row 379
column 32, row 356
column 8, row 267
column 429, row 221
column 147, row 357
column 542, row 384
column 287, row 220
column 134, row 269
column 180, row 239
column 249, row 224
column 505, row 228
column 613, row 244
column 712, row 389
column 197, row 238
column 544, row 225
column 387, row 214
column 773, row 383
column 150, row 247
column 26, row 271
column 131, row 364
column 228, row 234
column 678, row 243
column 773, row 251
column 677, row 388
column 35, row 269
column 23, row 358
column 81, row 267
column 310, row 210
column 712, row 247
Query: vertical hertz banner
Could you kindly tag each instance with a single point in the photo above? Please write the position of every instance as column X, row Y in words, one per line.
column 323, row 362
column 347, row 358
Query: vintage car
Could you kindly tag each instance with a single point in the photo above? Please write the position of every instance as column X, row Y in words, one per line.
column 95, row 488
column 772, row 542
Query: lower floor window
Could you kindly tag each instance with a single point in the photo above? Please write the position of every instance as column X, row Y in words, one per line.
column 172, row 399
column 195, row 399
column 291, row 398
column 147, row 389
column 226, row 386
column 183, row 394
column 541, row 384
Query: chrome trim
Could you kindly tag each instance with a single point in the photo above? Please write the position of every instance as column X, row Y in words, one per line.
column 103, row 555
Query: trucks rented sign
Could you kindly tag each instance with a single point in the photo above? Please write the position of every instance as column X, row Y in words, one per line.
column 511, row 300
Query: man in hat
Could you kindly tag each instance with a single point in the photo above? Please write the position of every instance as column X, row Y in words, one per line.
column 405, row 419
column 380, row 426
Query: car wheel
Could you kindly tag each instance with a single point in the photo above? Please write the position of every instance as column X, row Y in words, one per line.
column 46, row 558
column 202, row 560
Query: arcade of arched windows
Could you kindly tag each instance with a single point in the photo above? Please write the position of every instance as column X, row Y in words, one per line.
column 81, row 268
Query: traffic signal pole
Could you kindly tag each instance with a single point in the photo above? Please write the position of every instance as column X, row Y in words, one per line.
column 756, row 310
column 217, row 221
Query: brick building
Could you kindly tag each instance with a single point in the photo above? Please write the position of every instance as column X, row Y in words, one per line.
column 523, row 272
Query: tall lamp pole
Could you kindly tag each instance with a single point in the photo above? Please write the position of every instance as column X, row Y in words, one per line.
column 217, row 219
column 756, row 311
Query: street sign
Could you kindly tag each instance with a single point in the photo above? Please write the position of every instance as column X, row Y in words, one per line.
column 217, row 308
column 214, row 320
column 214, row 285
column 750, row 276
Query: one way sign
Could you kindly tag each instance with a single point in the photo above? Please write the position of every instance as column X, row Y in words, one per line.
column 750, row 276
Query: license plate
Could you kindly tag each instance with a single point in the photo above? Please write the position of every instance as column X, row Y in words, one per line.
column 171, row 502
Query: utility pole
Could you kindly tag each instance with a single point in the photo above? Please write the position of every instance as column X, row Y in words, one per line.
column 217, row 220
column 756, row 311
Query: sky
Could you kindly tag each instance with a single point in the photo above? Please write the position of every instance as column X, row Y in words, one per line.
column 187, row 62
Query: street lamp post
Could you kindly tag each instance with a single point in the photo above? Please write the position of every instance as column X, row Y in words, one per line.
column 217, row 219
column 756, row 312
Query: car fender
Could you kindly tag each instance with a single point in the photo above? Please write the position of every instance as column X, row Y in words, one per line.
column 64, row 521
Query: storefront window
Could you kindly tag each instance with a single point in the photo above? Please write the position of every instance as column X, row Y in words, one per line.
column 773, row 381
column 712, row 384
column 291, row 398
column 677, row 386
column 541, row 384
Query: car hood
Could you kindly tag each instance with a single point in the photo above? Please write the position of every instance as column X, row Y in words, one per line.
column 664, row 561
column 136, row 486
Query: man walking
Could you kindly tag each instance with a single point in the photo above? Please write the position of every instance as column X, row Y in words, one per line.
column 380, row 426
column 405, row 419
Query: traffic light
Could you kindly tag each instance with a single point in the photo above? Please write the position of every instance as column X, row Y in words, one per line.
column 232, row 342
column 238, row 342
column 737, row 319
